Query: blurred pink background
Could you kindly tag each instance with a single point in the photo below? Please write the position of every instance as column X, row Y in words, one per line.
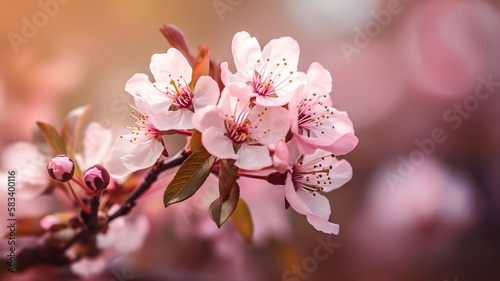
column 418, row 79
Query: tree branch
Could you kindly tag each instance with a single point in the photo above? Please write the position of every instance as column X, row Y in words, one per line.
column 45, row 253
column 150, row 178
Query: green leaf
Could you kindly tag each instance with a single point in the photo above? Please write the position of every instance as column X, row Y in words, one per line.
column 52, row 138
column 73, row 125
column 222, row 208
column 195, row 143
column 188, row 179
column 242, row 220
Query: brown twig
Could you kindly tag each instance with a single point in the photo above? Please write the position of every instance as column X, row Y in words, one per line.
column 46, row 253
column 150, row 178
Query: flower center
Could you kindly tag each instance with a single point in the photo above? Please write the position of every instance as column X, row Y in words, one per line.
column 238, row 132
column 313, row 115
column 143, row 131
column 268, row 78
column 180, row 94
column 183, row 97
column 312, row 175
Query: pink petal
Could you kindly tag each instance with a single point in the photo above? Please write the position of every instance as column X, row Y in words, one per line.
column 31, row 167
column 173, row 120
column 97, row 145
column 218, row 144
column 205, row 93
column 284, row 47
column 143, row 155
column 114, row 164
column 234, row 98
column 207, row 117
column 340, row 173
column 317, row 204
column 343, row 145
column 253, row 157
column 286, row 92
column 141, row 88
column 227, row 76
column 320, row 211
column 323, row 225
column 246, row 52
column 293, row 198
column 319, row 80
column 172, row 63
column 270, row 124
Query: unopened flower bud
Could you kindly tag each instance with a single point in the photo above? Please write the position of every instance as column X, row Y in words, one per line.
column 97, row 177
column 61, row 168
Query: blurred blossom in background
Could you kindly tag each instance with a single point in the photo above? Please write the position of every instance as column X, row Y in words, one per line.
column 419, row 79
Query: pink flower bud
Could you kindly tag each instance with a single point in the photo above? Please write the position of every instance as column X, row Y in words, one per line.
column 97, row 177
column 61, row 168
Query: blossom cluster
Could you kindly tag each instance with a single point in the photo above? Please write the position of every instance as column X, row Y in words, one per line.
column 267, row 120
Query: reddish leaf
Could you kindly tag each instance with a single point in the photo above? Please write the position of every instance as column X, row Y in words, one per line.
column 222, row 208
column 189, row 178
column 227, row 176
column 203, row 66
column 177, row 40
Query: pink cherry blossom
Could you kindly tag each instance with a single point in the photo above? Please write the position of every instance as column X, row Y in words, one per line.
column 316, row 124
column 271, row 74
column 97, row 143
column 30, row 166
column 237, row 130
column 308, row 176
column 139, row 149
column 171, row 97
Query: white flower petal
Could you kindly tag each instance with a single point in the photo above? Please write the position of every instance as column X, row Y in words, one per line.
column 30, row 166
column 205, row 93
column 323, row 225
column 143, row 90
column 208, row 117
column 319, row 80
column 114, row 164
column 227, row 76
column 142, row 155
column 173, row 120
column 282, row 48
column 170, row 65
column 316, row 203
column 218, row 144
column 270, row 124
column 97, row 144
column 253, row 157
column 246, row 52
